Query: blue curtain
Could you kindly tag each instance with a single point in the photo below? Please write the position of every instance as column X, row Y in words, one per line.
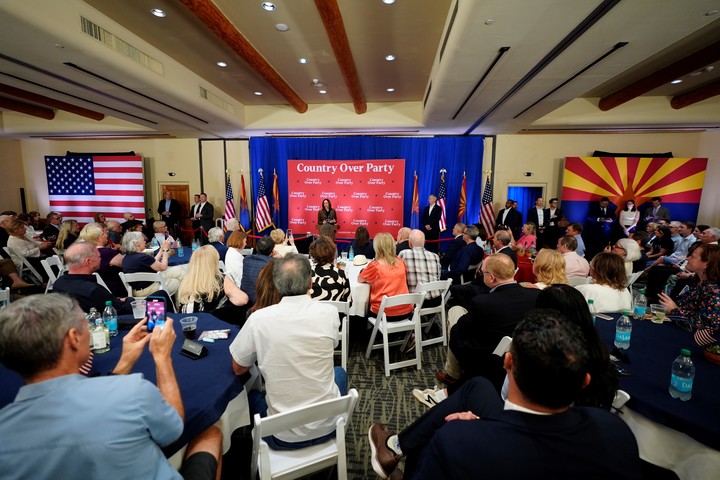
column 525, row 196
column 424, row 155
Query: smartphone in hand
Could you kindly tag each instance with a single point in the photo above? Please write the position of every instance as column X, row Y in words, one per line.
column 155, row 312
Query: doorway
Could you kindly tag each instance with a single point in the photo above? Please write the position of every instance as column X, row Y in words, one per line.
column 181, row 193
column 525, row 195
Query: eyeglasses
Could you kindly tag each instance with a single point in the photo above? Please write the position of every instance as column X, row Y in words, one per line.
column 618, row 247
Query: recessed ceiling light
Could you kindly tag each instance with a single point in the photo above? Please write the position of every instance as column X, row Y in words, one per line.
column 711, row 13
column 59, row 45
column 675, row 82
column 322, row 91
column 489, row 21
column 281, row 27
column 388, row 2
column 158, row 12
column 269, row 6
column 391, row 89
column 258, row 93
column 389, row 58
column 318, row 84
column 222, row 64
column 304, row 61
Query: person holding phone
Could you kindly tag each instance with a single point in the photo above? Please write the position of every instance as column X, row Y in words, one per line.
column 284, row 243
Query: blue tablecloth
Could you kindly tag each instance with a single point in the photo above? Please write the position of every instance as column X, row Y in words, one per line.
column 653, row 348
column 206, row 385
column 177, row 259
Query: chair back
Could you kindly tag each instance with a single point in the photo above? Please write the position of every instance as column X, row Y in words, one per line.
column 414, row 299
column 575, row 281
column 632, row 278
column 26, row 266
column 221, row 266
column 128, row 278
column 344, row 311
column 443, row 286
column 48, row 264
column 101, row 282
column 301, row 462
column 246, row 251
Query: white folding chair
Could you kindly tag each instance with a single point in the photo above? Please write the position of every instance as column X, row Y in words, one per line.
column 246, row 251
column 386, row 328
column 575, row 281
column 101, row 282
column 47, row 264
column 221, row 266
column 632, row 278
column 129, row 278
column 443, row 286
column 26, row 267
column 344, row 311
column 4, row 297
column 467, row 276
column 288, row 464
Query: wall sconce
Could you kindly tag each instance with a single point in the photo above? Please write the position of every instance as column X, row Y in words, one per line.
column 171, row 174
column 528, row 174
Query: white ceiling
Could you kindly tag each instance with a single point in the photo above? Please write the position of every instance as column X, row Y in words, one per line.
column 462, row 66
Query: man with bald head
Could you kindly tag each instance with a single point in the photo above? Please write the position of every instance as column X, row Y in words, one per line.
column 422, row 267
column 402, row 241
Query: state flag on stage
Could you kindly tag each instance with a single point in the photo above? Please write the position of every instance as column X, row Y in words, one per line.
column 462, row 203
column 244, row 217
column 415, row 212
column 276, row 199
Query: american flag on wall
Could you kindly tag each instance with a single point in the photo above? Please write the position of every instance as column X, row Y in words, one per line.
column 80, row 186
column 487, row 213
column 229, row 204
column 262, row 208
column 441, row 201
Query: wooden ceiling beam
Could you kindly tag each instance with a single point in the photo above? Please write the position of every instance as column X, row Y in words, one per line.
column 335, row 28
column 213, row 18
column 689, row 64
column 50, row 102
column 697, row 95
column 26, row 108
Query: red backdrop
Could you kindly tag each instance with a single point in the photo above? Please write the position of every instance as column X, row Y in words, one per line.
column 363, row 192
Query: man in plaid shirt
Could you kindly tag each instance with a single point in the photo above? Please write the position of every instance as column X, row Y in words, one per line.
column 422, row 267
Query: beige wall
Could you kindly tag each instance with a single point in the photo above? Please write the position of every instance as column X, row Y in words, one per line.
column 13, row 175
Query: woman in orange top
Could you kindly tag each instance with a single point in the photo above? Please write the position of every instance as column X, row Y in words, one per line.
column 386, row 275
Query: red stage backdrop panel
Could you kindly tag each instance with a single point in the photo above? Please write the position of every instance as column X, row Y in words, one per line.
column 363, row 192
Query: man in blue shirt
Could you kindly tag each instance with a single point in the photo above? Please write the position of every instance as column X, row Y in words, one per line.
column 63, row 425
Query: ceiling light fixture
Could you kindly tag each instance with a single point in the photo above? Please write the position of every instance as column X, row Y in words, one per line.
column 269, row 6
column 389, row 58
column 710, row 13
column 258, row 93
column 317, row 83
column 388, row 2
column 281, row 27
column 222, row 64
column 158, row 12
column 675, row 82
column 390, row 89
column 322, row 91
column 304, row 61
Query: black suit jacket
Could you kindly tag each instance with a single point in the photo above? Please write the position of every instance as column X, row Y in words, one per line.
column 490, row 317
column 207, row 221
column 553, row 222
column 533, row 217
column 510, row 253
column 513, row 220
column 596, row 213
column 452, row 250
column 432, row 219
column 174, row 216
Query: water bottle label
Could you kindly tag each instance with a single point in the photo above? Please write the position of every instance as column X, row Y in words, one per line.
column 112, row 324
column 639, row 310
column 681, row 384
column 622, row 337
column 99, row 340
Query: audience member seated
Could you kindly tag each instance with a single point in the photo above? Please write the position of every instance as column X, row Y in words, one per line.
column 135, row 261
column 700, row 303
column 710, row 236
column 30, row 231
column 52, row 230
column 267, row 293
column 536, row 433
column 402, row 241
column 454, row 246
column 422, row 267
column 527, row 240
column 233, row 258
column 161, row 234
column 114, row 233
column 129, row 222
column 100, row 219
column 82, row 259
column 362, row 245
column 667, row 265
column 22, row 247
column 476, row 331
column 386, row 275
column 252, row 264
column 69, row 230
column 293, row 344
column 216, row 238
column 575, row 265
column 283, row 243
column 4, row 235
column 662, row 244
column 231, row 226
column 328, row 230
column 628, row 250
column 641, row 238
column 609, row 288
column 501, row 244
column 469, row 255
column 328, row 281
column 45, row 339
column 205, row 289
column 575, row 231
column 549, row 269
column 8, row 269
column 110, row 259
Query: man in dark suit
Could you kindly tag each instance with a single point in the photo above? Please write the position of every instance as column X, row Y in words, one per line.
column 501, row 243
column 601, row 218
column 52, row 230
column 655, row 212
column 169, row 211
column 469, row 255
column 204, row 213
column 431, row 223
column 193, row 216
column 554, row 215
column 454, row 246
column 510, row 217
column 537, row 216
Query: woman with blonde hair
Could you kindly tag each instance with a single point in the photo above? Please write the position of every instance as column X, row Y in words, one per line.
column 204, row 289
column 110, row 259
column 549, row 269
column 608, row 289
column 283, row 244
column 527, row 240
column 68, row 234
column 386, row 275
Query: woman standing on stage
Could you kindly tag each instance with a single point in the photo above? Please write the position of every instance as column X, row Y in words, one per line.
column 327, row 213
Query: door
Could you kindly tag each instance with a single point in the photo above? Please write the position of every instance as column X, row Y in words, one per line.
column 181, row 193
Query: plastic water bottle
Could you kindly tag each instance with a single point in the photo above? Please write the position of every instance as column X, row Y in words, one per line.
column 154, row 244
column 623, row 330
column 488, row 248
column 100, row 336
column 91, row 317
column 639, row 304
column 683, row 373
column 109, row 317
column 195, row 245
column 180, row 249
column 351, row 253
column 591, row 307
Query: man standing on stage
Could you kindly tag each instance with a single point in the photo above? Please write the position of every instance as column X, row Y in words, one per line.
column 431, row 223
column 169, row 210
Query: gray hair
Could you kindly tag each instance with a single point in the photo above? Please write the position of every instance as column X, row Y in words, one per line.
column 503, row 237
column 715, row 232
column 632, row 249
column 472, row 232
column 215, row 234
column 129, row 240
column 292, row 274
column 76, row 253
column 232, row 224
column 417, row 238
column 33, row 330
column 157, row 225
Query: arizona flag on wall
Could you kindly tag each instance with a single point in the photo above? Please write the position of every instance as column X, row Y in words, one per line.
column 678, row 181
column 82, row 185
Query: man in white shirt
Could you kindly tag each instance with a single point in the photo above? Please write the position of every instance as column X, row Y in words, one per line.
column 293, row 343
column 575, row 265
